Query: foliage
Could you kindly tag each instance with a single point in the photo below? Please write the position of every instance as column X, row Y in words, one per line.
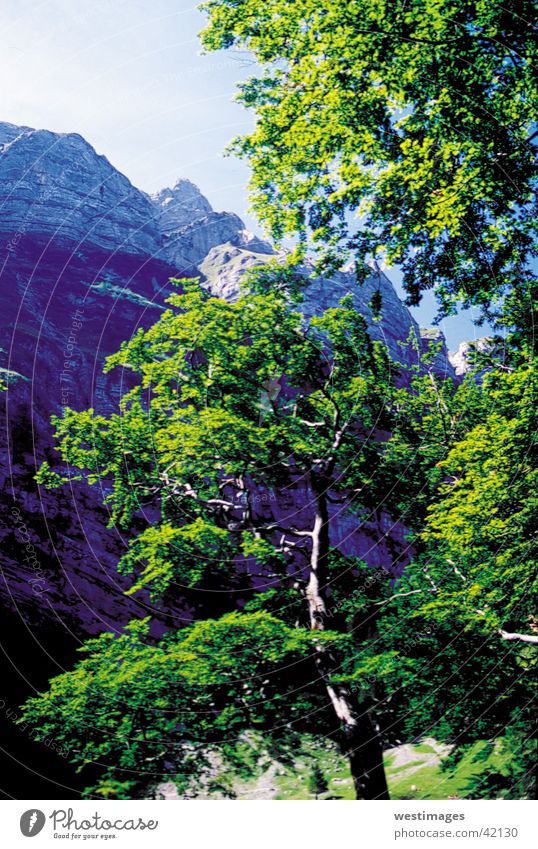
column 230, row 400
column 317, row 783
column 417, row 117
column 507, row 767
column 482, row 526
column 440, row 650
column 231, row 405
column 143, row 711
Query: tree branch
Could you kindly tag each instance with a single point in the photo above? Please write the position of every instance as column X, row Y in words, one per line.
column 524, row 638
column 398, row 595
column 276, row 527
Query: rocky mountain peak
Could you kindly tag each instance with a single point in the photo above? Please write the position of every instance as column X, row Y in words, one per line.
column 180, row 206
column 55, row 186
column 190, row 228
column 9, row 132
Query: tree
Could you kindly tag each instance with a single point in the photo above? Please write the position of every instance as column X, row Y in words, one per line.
column 231, row 407
column 482, row 524
column 456, row 645
column 135, row 711
column 419, row 117
column 230, row 403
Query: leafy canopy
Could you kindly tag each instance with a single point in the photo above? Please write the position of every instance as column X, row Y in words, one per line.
column 227, row 402
column 447, row 649
column 416, row 117
column 139, row 712
column 230, row 399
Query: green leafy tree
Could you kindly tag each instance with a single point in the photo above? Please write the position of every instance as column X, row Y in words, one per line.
column 455, row 647
column 231, row 407
column 418, row 117
column 231, row 403
column 135, row 711
column 484, row 520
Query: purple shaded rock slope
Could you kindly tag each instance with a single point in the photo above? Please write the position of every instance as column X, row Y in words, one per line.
column 84, row 260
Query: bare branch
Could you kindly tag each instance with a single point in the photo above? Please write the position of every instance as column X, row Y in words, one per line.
column 276, row 527
column 398, row 595
column 456, row 570
column 524, row 638
column 227, row 482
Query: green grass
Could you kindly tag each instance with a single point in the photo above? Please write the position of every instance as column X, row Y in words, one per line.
column 396, row 769
column 233, row 257
column 294, row 784
column 418, row 778
column 424, row 749
column 431, row 782
column 413, row 772
column 105, row 287
column 426, row 783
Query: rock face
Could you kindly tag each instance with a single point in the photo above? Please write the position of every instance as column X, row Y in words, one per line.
column 224, row 266
column 432, row 340
column 180, row 206
column 190, row 228
column 189, row 245
column 461, row 359
column 55, row 187
column 84, row 261
column 79, row 271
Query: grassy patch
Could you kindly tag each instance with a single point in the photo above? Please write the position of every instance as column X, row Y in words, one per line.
column 425, row 781
column 9, row 377
column 391, row 770
column 121, row 293
column 424, row 749
column 411, row 773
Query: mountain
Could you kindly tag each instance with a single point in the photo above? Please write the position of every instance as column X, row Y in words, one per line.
column 55, row 187
column 85, row 259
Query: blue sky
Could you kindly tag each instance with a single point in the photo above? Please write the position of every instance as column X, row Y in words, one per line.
column 130, row 77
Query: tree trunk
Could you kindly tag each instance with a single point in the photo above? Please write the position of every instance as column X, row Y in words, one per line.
column 360, row 738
